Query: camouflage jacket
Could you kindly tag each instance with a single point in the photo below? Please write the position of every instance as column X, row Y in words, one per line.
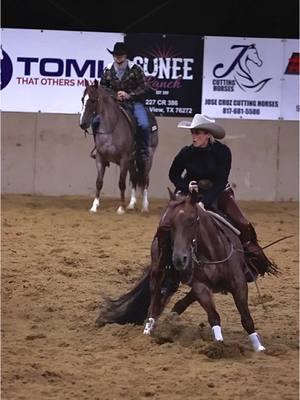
column 133, row 81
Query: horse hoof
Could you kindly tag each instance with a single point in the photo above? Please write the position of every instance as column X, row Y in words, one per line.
column 120, row 210
column 149, row 326
column 130, row 206
column 260, row 348
column 92, row 210
column 145, row 210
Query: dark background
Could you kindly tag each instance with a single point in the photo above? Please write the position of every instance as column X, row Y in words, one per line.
column 242, row 18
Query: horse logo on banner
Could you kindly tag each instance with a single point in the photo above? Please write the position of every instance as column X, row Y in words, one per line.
column 242, row 68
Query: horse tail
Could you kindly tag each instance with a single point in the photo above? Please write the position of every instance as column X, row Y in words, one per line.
column 138, row 171
column 131, row 308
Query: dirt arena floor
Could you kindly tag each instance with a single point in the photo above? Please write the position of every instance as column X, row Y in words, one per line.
column 57, row 260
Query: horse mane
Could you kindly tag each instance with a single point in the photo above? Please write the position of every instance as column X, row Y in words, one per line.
column 106, row 99
column 108, row 108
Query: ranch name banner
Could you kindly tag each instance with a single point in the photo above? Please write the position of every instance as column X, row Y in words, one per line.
column 251, row 78
column 173, row 67
column 45, row 70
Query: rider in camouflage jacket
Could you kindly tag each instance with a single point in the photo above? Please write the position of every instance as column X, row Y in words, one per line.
column 132, row 82
column 126, row 82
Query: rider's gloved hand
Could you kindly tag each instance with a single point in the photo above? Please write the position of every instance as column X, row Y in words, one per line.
column 193, row 186
column 122, row 95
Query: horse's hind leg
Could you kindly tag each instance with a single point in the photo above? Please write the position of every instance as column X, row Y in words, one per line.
column 181, row 305
column 132, row 202
column 100, row 165
column 133, row 182
column 122, row 185
column 240, row 297
column 205, row 298
column 145, row 202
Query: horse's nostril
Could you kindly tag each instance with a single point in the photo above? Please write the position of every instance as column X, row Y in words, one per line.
column 180, row 261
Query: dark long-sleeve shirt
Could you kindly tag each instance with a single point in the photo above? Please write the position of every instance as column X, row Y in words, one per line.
column 212, row 162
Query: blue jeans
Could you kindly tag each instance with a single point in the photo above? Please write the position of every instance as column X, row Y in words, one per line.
column 96, row 123
column 140, row 114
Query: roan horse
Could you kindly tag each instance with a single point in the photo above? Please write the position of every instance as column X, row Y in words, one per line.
column 198, row 250
column 115, row 142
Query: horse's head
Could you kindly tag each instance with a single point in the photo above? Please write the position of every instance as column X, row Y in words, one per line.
column 253, row 56
column 89, row 104
column 184, row 226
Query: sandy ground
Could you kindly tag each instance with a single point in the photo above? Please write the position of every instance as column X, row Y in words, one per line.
column 57, row 260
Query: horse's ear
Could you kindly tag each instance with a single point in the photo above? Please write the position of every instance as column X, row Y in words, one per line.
column 171, row 194
column 86, row 82
column 96, row 83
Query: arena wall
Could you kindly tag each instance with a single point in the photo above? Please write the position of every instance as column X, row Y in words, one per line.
column 48, row 154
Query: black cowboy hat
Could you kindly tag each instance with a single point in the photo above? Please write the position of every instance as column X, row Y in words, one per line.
column 119, row 49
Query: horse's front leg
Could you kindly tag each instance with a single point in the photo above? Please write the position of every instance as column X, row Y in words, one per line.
column 156, row 305
column 240, row 296
column 205, row 297
column 158, row 300
column 122, row 184
column 181, row 305
column 100, row 165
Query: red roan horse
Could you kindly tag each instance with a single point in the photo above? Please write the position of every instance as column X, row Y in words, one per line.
column 191, row 246
column 115, row 142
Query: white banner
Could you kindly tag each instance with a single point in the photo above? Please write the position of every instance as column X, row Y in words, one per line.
column 246, row 78
column 45, row 70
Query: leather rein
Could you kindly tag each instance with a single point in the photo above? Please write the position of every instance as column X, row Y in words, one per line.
column 202, row 260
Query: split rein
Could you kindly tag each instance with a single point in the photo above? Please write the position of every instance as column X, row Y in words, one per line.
column 232, row 249
column 203, row 260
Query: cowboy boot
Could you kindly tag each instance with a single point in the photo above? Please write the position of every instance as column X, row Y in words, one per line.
column 257, row 259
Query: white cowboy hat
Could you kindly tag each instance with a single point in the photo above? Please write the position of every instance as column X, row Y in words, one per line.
column 200, row 121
